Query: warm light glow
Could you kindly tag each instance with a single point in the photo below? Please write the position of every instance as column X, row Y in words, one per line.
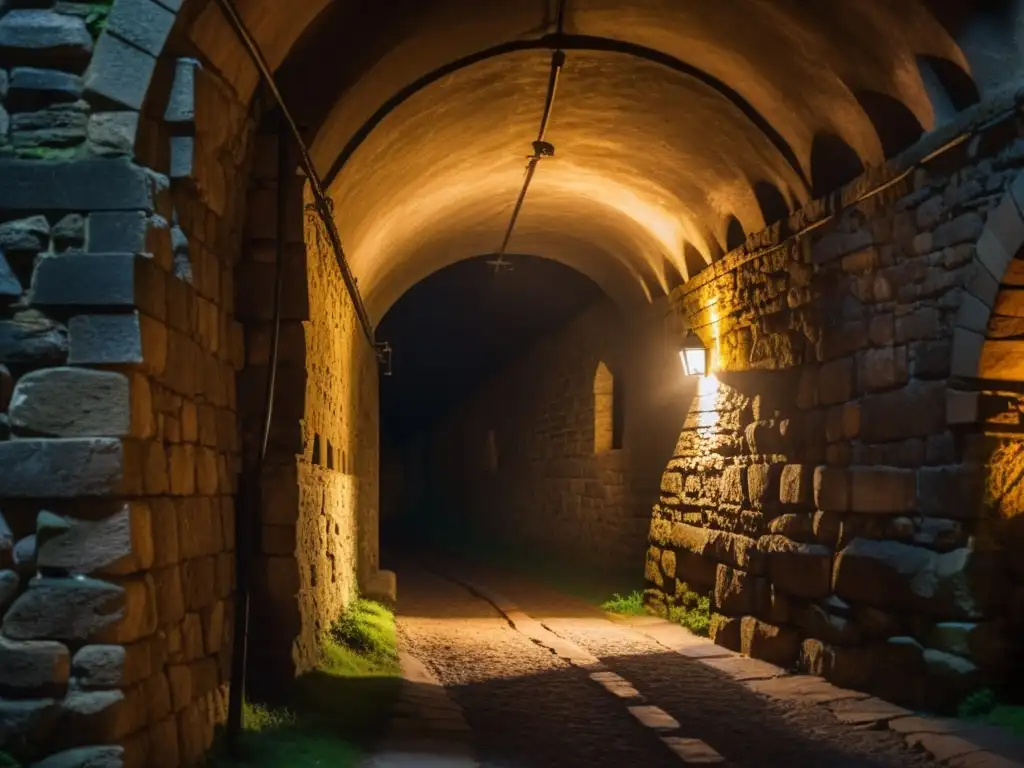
column 696, row 358
column 695, row 361
column 706, row 401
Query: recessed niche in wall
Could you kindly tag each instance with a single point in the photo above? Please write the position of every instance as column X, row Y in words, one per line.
column 315, row 459
column 330, row 455
column 604, row 409
column 491, row 452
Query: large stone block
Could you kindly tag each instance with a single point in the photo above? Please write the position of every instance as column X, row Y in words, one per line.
column 94, row 280
column 36, row 669
column 199, row 529
column 987, row 644
column 733, row 485
column 735, row 591
column 31, row 720
column 845, row 666
column 120, row 543
column 71, row 402
column 41, row 37
column 798, row 527
column 916, row 410
column 892, row 575
column 140, row 614
column 720, row 546
column 103, row 716
column 652, row 569
column 881, row 369
column 109, row 339
column 164, row 521
column 25, row 236
column 776, row 645
column 796, row 484
column 835, row 381
column 65, row 609
column 120, row 72
column 882, row 490
column 802, row 570
column 79, row 185
column 100, row 666
column 763, row 484
column 65, row 468
column 725, row 631
column 831, row 489
column 170, row 594
column 32, row 339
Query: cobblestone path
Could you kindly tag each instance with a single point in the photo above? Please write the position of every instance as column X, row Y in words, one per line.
column 526, row 705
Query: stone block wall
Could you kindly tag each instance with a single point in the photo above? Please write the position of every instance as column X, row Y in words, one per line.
column 121, row 237
column 119, row 448
column 518, row 461
column 317, row 537
column 826, row 489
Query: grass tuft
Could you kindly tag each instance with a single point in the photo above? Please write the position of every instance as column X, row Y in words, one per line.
column 691, row 610
column 630, row 605
column 983, row 707
column 335, row 711
column 365, row 638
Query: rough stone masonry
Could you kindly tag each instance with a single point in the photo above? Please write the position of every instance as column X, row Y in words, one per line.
column 848, row 486
column 849, row 491
column 122, row 227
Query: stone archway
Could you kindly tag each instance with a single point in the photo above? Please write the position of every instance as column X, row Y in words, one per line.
column 124, row 338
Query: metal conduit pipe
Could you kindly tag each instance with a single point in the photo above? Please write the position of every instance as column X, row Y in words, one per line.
column 541, row 148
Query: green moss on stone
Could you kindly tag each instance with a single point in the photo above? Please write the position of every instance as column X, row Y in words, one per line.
column 96, row 15
column 47, row 153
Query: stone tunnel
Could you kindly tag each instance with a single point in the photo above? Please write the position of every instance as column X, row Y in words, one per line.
column 831, row 202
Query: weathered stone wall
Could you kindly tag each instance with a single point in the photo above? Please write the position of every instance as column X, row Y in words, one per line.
column 119, row 440
column 317, row 537
column 119, row 447
column 825, row 489
column 518, row 461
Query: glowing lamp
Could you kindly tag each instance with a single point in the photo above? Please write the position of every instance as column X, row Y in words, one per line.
column 696, row 358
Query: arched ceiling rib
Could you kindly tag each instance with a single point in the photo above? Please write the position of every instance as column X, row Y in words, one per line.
column 652, row 164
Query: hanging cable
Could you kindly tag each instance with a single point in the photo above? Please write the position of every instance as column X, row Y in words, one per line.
column 322, row 203
column 541, row 147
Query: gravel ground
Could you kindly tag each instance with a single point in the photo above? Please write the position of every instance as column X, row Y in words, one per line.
column 528, row 708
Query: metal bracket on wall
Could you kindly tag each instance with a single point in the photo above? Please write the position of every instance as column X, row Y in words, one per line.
column 384, row 351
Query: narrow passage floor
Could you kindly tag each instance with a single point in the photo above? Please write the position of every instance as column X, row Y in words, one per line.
column 543, row 679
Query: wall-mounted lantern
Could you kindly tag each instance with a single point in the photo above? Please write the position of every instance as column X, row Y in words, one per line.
column 696, row 358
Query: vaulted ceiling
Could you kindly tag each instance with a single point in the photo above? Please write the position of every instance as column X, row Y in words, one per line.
column 678, row 127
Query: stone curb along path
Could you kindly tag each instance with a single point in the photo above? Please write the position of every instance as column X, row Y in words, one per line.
column 941, row 738
column 427, row 727
column 936, row 736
